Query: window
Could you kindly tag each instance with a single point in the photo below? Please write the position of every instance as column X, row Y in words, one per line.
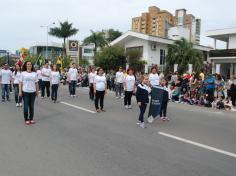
column 162, row 57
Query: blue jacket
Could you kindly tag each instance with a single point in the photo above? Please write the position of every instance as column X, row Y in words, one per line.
column 142, row 93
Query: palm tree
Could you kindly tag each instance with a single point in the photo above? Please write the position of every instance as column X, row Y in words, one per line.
column 183, row 53
column 97, row 38
column 64, row 31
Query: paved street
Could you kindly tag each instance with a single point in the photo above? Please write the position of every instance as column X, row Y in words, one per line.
column 70, row 140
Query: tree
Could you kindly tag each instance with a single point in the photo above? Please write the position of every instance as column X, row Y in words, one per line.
column 83, row 62
column 134, row 61
column 113, row 34
column 97, row 38
column 183, row 53
column 64, row 31
column 111, row 57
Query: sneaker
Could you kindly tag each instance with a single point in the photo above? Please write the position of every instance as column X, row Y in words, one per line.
column 150, row 119
column 163, row 119
column 20, row 104
column 129, row 107
column 126, row 106
column 103, row 110
column 117, row 97
column 27, row 122
column 42, row 97
column 32, row 122
column 167, row 118
column 71, row 95
column 97, row 110
column 142, row 125
column 138, row 123
column 17, row 104
column 121, row 97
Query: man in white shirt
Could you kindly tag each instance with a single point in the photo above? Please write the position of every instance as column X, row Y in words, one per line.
column 119, row 80
column 46, row 72
column 73, row 78
column 91, row 77
column 6, row 77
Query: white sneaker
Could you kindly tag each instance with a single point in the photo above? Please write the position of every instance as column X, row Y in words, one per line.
column 121, row 97
column 142, row 125
column 126, row 106
column 117, row 97
column 150, row 119
column 17, row 105
column 138, row 123
column 20, row 104
column 129, row 107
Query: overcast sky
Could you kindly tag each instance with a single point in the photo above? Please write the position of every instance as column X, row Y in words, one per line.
column 21, row 19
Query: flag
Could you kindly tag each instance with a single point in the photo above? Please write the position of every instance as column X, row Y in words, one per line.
column 156, row 101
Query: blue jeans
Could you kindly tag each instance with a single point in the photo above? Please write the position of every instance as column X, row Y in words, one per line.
column 119, row 89
column 5, row 89
column 72, row 87
column 29, row 99
column 16, row 90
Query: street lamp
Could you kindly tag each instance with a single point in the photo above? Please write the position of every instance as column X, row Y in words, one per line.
column 47, row 26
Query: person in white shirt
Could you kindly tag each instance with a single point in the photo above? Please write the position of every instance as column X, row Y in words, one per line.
column 154, row 77
column 39, row 74
column 100, row 88
column 73, row 78
column 55, row 80
column 46, row 72
column 6, row 76
column 16, row 77
column 91, row 77
column 119, row 80
column 28, row 89
column 129, row 87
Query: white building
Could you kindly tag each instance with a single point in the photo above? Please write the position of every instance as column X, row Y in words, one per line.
column 223, row 60
column 87, row 53
column 178, row 32
column 153, row 49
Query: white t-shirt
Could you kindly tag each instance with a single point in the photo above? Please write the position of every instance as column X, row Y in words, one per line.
column 73, row 74
column 16, row 77
column 119, row 77
column 28, row 80
column 47, row 72
column 130, row 81
column 154, row 79
column 91, row 77
column 39, row 74
column 100, row 82
column 55, row 77
column 6, row 76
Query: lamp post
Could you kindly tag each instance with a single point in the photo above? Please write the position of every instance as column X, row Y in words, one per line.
column 47, row 26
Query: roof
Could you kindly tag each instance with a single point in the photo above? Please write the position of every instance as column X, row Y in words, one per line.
column 221, row 34
column 129, row 35
column 50, row 44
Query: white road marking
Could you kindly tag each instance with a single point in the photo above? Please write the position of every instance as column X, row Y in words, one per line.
column 78, row 107
column 198, row 144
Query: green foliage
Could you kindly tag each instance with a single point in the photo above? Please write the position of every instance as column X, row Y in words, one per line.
column 111, row 57
column 97, row 38
column 133, row 57
column 183, row 53
column 113, row 34
column 66, row 62
column 64, row 31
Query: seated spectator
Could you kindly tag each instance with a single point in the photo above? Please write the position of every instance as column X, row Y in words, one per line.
column 220, row 103
column 228, row 104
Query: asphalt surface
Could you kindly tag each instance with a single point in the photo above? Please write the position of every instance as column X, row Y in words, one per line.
column 70, row 141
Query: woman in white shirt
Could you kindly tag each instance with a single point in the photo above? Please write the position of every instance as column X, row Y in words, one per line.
column 73, row 78
column 154, row 77
column 100, row 88
column 129, row 86
column 28, row 89
column 55, row 80
column 119, row 79
column 15, row 82
column 46, row 72
column 91, row 77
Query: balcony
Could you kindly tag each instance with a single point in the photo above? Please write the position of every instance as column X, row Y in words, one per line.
column 223, row 53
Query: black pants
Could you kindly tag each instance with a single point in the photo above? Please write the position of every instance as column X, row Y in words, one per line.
column 29, row 99
column 91, row 91
column 233, row 98
column 16, row 90
column 99, row 97
column 163, row 109
column 46, row 84
column 40, row 84
column 128, row 96
column 72, row 87
column 142, row 112
column 54, row 91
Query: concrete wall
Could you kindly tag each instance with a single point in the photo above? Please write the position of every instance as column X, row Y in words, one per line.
column 232, row 42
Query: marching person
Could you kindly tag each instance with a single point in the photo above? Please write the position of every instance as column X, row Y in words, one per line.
column 142, row 96
column 28, row 89
column 39, row 74
column 15, row 84
column 6, row 77
column 166, row 98
column 119, row 80
column 100, row 88
column 129, row 88
column 55, row 80
column 154, row 77
column 73, row 78
column 46, row 72
column 91, row 77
